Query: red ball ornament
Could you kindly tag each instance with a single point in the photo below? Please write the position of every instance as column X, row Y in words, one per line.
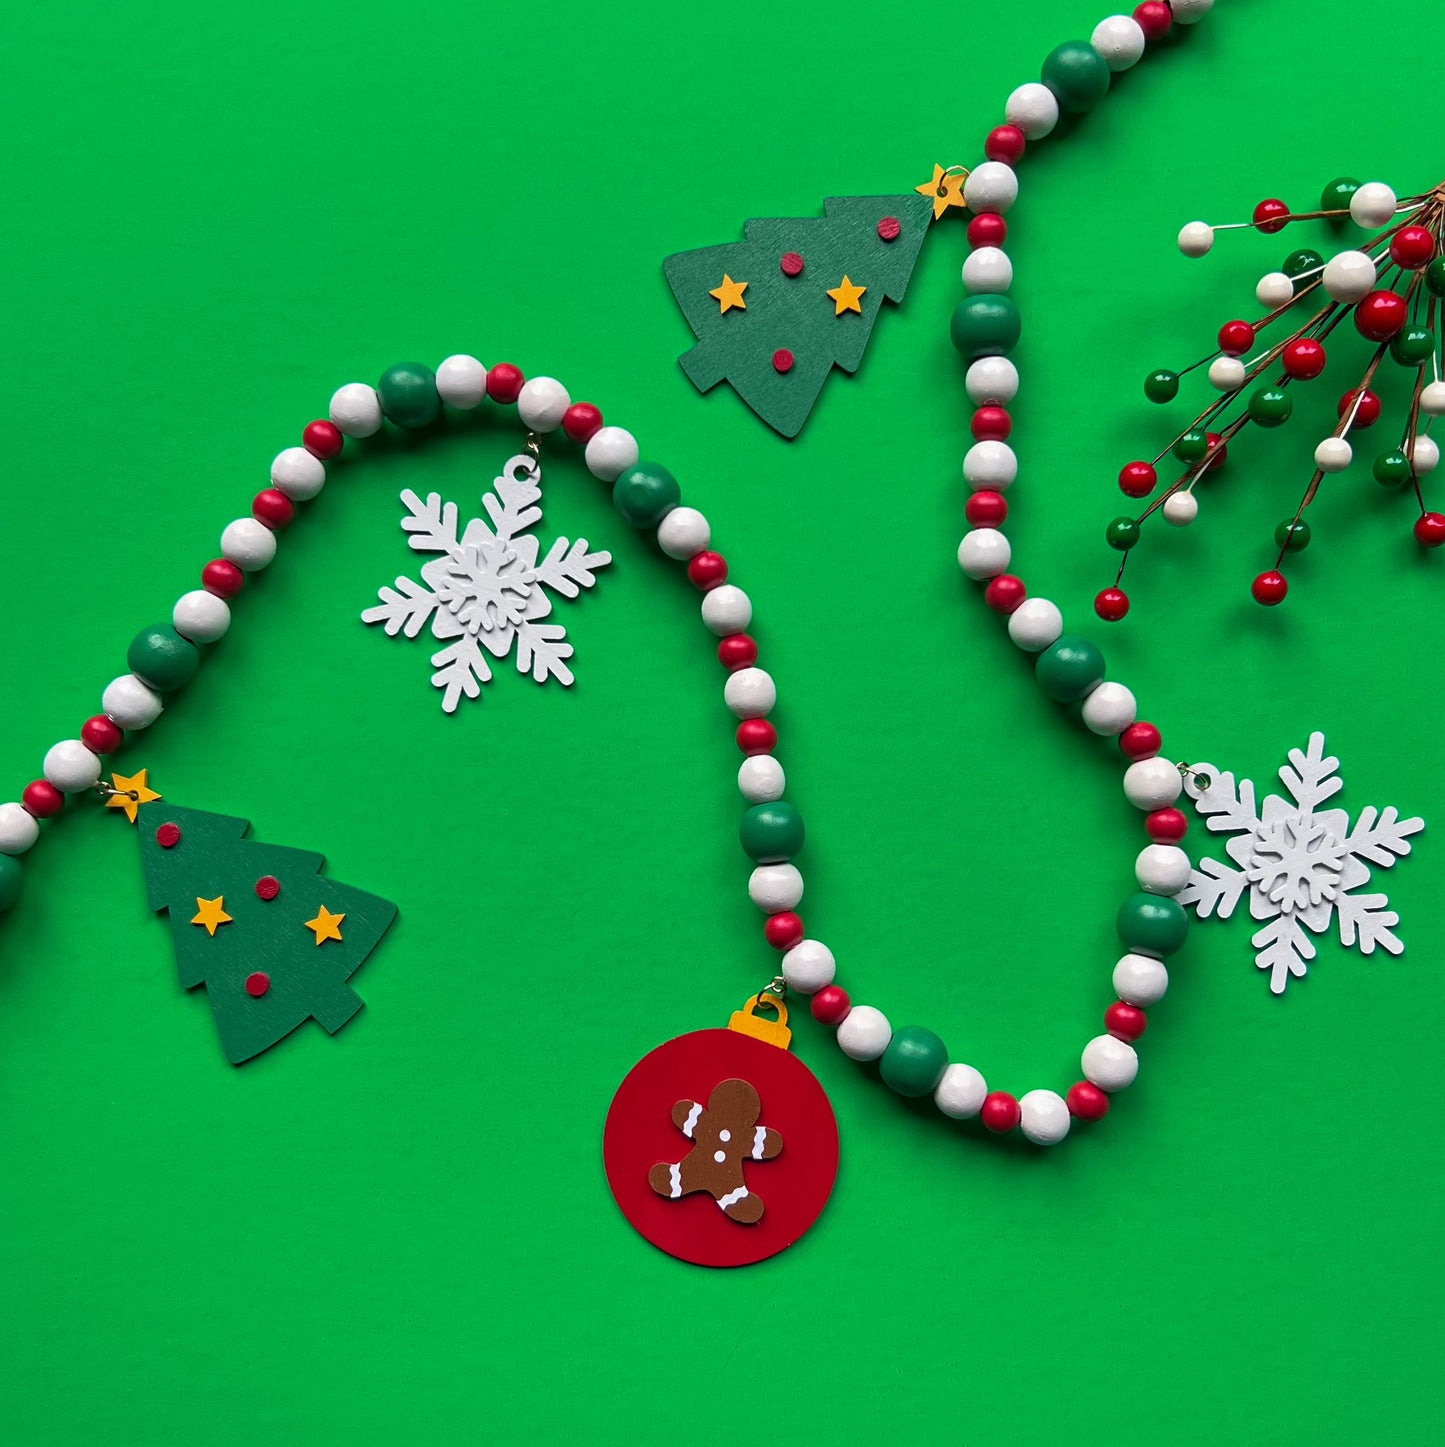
column 168, row 836
column 1236, row 338
column 1430, row 529
column 1111, row 604
column 1004, row 143
column 988, row 228
column 1139, row 741
column 1086, row 1101
column 990, row 424
column 1411, row 247
column 1166, row 826
column 1269, row 216
column 737, row 651
column 1004, row 593
column 322, row 439
column 504, row 382
column 831, row 1005
column 1269, row 588
column 101, row 735
column 273, row 508
column 222, row 578
column 1154, row 18
column 1215, row 450
column 1000, row 1112
column 581, row 421
column 1128, row 1022
column 756, row 736
column 985, row 509
column 706, row 570
column 783, row 931
column 42, row 799
column 257, row 983
column 1304, row 358
column 1368, row 412
column 1137, row 479
column 1380, row 315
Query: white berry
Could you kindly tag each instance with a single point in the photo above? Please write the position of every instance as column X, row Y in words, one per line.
column 1274, row 289
column 1348, row 277
column 1432, row 399
column 1372, row 205
column 1196, row 238
column 1424, row 452
column 1333, row 454
column 1180, row 508
column 1226, row 374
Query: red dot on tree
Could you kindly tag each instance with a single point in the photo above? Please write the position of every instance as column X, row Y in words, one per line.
column 889, row 229
column 790, row 263
column 782, row 360
column 168, row 836
column 268, row 887
column 257, row 984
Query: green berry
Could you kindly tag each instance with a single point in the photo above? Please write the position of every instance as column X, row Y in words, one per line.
column 1122, row 534
column 1299, row 262
column 771, row 833
column 1152, row 924
column 914, row 1061
column 1077, row 74
column 1336, row 196
column 1192, row 446
column 1412, row 345
column 645, row 494
column 1270, row 406
column 408, row 393
column 1161, row 386
column 1435, row 276
column 11, row 876
column 1069, row 669
column 985, row 326
column 1292, row 536
column 161, row 658
column 1392, row 469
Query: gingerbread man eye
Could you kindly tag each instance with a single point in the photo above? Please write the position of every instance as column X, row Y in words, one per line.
column 724, row 1136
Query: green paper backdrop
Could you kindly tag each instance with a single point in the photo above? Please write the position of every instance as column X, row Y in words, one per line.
column 210, row 219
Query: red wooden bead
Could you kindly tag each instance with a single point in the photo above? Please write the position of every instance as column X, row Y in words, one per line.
column 1111, row 604
column 1087, row 1101
column 1139, row 741
column 168, row 836
column 783, row 931
column 257, row 983
column 1304, row 358
column 504, row 382
column 268, row 887
column 322, row 439
column 988, row 228
column 1154, row 18
column 1411, row 247
column 1004, row 593
column 1000, row 1112
column 1004, row 143
column 1380, row 315
column 737, row 651
column 222, row 578
column 985, row 509
column 1368, row 412
column 581, row 421
column 757, row 736
column 1269, row 588
column 1128, row 1022
column 1166, row 826
column 1236, row 338
column 830, row 1005
column 991, row 424
column 42, row 799
column 273, row 508
column 1216, row 450
column 782, row 361
column 707, row 570
column 1137, row 479
column 1430, row 529
column 101, row 735
column 1269, row 216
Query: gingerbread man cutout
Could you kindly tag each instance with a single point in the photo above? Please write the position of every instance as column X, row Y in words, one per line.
column 725, row 1134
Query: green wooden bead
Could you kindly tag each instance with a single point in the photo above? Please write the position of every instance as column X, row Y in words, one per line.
column 1069, row 669
column 160, row 657
column 1336, row 196
column 1435, row 276
column 1161, row 386
column 1077, row 74
column 985, row 326
column 645, row 494
column 1192, row 446
column 1292, row 536
column 1152, row 924
column 771, row 833
column 1122, row 534
column 11, row 876
column 1270, row 406
column 1412, row 345
column 914, row 1061
column 408, row 393
column 1392, row 469
column 1299, row 262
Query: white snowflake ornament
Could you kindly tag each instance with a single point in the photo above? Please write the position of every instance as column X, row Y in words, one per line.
column 486, row 589
column 1298, row 862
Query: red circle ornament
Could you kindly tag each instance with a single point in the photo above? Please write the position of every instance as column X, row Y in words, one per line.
column 790, row 264
column 1269, row 588
column 168, row 836
column 737, row 650
column 756, row 736
column 889, row 229
column 1140, row 741
column 643, row 1132
column 1166, row 826
column 1236, row 338
column 268, row 887
column 504, row 383
column 1004, row 593
column 782, row 361
column 257, row 983
column 222, row 578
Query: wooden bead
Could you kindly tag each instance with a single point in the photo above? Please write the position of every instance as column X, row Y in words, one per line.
column 645, row 494
column 504, row 383
column 1162, row 869
column 775, row 887
column 355, row 410
column 771, row 833
column 130, row 703
column 1151, row 924
column 991, row 186
column 1069, row 668
column 542, row 404
column 1152, row 784
column 162, row 659
column 18, row 829
column 865, row 1034
column 1190, row 12
column 223, row 579
column 1077, row 74
column 1000, row 1112
column 809, row 966
column 12, row 876
column 248, row 544
column 960, row 1092
column 201, row 616
column 991, row 381
column 70, row 767
column 1119, row 39
column 750, row 693
column 727, row 610
column 1086, row 1101
column 984, row 553
column 683, row 533
column 830, row 1006
column 461, row 382
column 321, row 439
column 756, row 736
column 987, row 269
column 42, row 799
column 991, row 465
column 273, row 509
column 783, row 931
column 1140, row 979
column 1043, row 1117
column 581, row 422
column 610, row 452
column 297, row 473
column 761, row 779
column 1033, row 109
column 914, row 1062
column 1109, row 709
column 1035, row 624
column 1109, row 1063
column 985, row 326
column 408, row 395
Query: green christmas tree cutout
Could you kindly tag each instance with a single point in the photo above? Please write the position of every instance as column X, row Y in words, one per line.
column 272, row 941
column 800, row 298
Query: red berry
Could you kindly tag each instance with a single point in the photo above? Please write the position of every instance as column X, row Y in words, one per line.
column 1380, row 315
column 1154, row 18
column 985, row 509
column 1368, row 412
column 1269, row 588
column 1137, row 479
column 1111, row 604
column 580, row 421
column 1236, row 338
column 1304, row 358
column 1000, row 1112
column 257, row 983
column 1004, row 593
column 831, row 1005
column 1128, row 1022
column 101, row 735
column 1430, row 529
column 990, row 424
column 168, row 836
column 504, row 382
column 268, row 887
column 1004, row 143
column 707, row 570
column 1139, row 741
column 1085, row 1100
column 1216, row 451
column 783, row 931
column 1412, row 247
column 988, row 228
column 322, row 439
column 737, row 651
column 222, row 578
column 1166, row 826
column 273, row 508
column 42, row 799
column 757, row 736
column 1269, row 216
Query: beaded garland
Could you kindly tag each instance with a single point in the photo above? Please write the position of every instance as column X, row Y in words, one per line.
column 985, row 327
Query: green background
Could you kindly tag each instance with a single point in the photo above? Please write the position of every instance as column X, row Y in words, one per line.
column 211, row 219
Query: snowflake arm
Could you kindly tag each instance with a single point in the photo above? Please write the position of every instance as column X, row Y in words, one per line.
column 403, row 609
column 569, row 569
column 511, row 504
column 1314, row 777
column 1226, row 805
column 460, row 669
column 1366, row 917
column 1382, row 839
column 1284, row 950
column 1213, row 889
column 541, row 648
column 432, row 524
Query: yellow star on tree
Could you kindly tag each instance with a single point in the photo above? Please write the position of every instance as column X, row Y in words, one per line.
column 131, row 791
column 845, row 297
column 945, row 189
column 211, row 914
column 729, row 294
column 326, row 926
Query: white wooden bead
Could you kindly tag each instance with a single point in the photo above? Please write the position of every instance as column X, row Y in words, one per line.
column 683, row 533
column 864, row 1033
column 1033, row 108
column 296, row 473
column 19, row 829
column 1190, row 12
column 1424, row 452
column 1035, row 624
column 1140, row 980
column 1372, row 205
column 1110, row 709
column 991, row 186
column 610, row 452
column 988, row 269
column 808, row 966
column 1162, row 868
column 990, row 465
column 1043, row 1117
column 1180, row 508
column 1334, row 454
column 775, row 887
column 961, row 1092
column 355, row 410
column 750, row 693
column 1196, row 238
column 1152, row 784
column 201, row 616
column 983, row 553
column 248, row 544
column 1348, row 277
column 130, row 703
column 462, row 382
column 541, row 404
column 1120, row 40
column 761, row 779
column 71, row 767
column 1109, row 1063
column 1432, row 399
column 1273, row 289
column 991, row 381
column 726, row 610
column 1226, row 374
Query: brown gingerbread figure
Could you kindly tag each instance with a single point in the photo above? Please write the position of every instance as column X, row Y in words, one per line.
column 725, row 1133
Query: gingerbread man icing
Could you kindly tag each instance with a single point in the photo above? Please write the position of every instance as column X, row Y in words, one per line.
column 724, row 1133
